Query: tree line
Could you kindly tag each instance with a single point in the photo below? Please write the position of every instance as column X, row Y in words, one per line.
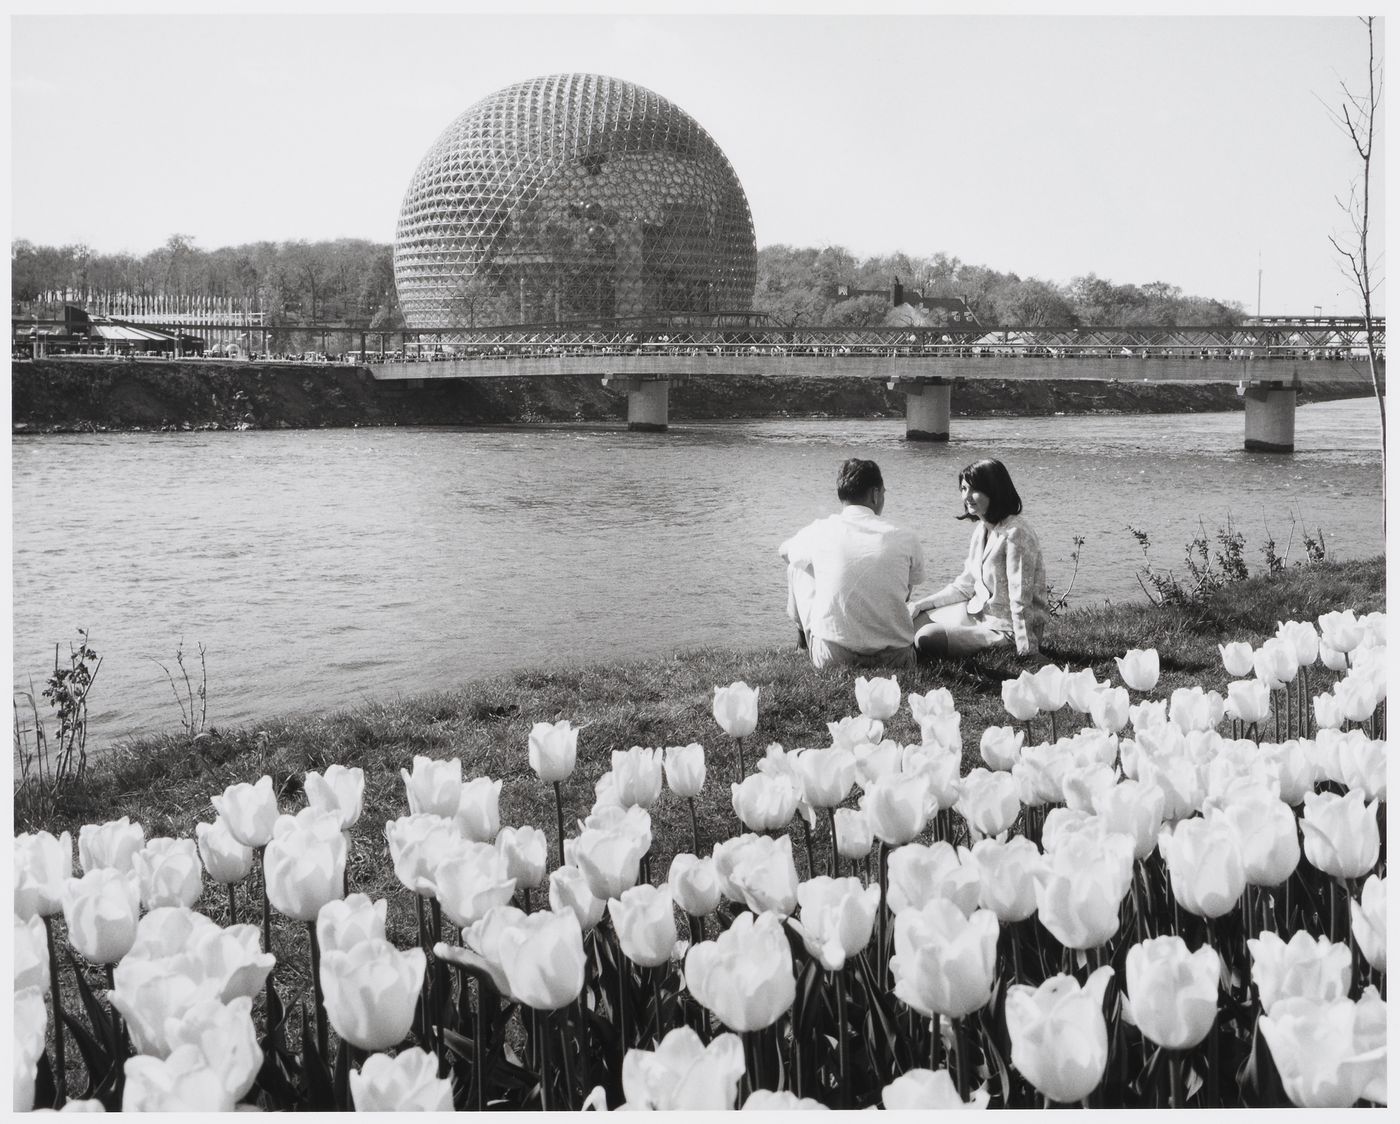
column 351, row 280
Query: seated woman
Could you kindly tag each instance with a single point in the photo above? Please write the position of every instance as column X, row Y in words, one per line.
column 1001, row 595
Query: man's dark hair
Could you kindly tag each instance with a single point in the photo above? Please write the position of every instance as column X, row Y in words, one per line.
column 991, row 479
column 857, row 479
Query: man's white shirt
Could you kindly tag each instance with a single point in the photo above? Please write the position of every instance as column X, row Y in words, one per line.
column 865, row 569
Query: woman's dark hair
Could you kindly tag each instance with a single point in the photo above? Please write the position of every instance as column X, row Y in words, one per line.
column 991, row 479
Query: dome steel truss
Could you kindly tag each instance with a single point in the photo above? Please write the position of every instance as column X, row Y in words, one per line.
column 572, row 197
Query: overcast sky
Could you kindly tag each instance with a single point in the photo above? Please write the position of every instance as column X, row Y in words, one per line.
column 1188, row 149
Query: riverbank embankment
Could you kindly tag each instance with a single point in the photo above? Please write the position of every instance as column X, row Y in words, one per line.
column 165, row 781
column 94, row 395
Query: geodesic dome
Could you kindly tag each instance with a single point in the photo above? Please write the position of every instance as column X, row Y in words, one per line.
column 568, row 197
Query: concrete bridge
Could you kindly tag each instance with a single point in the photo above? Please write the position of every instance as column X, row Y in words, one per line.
column 1267, row 365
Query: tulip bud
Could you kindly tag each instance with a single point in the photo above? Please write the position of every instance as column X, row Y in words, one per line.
column 1148, row 714
column 152, row 995
column 183, row 1082
column 1248, row 700
column 1302, row 637
column 920, row 873
column 637, row 774
column 1001, row 747
column 1007, row 875
column 478, row 815
column 168, row 873
column 249, row 810
column 1357, row 697
column 1080, row 688
column 338, row 790
column 1085, row 882
column 1206, row 864
column 101, row 910
column 1329, row 1054
column 1340, row 631
column 484, row 942
column 304, row 864
column 764, row 803
column 1295, row 770
column 1059, row 1039
column 371, row 991
column 1238, row 658
column 694, row 884
column 1328, row 711
column 434, row 788
column 610, row 860
column 769, row 1100
column 543, row 960
column 1139, row 668
column 937, row 701
column 43, row 866
column 1193, row 709
column 1368, row 924
column 854, row 837
column 825, row 775
column 1267, row 832
column 417, row 844
column 989, row 802
column 682, row 1073
column 1306, row 966
column 1109, row 708
column 1019, row 698
column 553, row 750
column 856, row 731
column 526, row 852
column 685, row 769
column 1173, row 992
column 1275, row 664
column 111, row 844
column 1134, row 809
column 31, row 954
column 1040, row 775
column 896, row 808
column 761, row 873
column 568, row 890
column 226, row 1038
column 226, row 859
column 31, row 1027
column 877, row 698
column 1340, row 834
column 944, row 962
column 471, row 880
column 1084, row 783
column 836, row 918
column 736, row 709
column 345, row 922
column 1050, row 688
column 924, row 1089
column 943, row 731
column 645, row 922
column 407, row 1082
column 231, row 960
column 874, row 762
column 168, row 931
column 745, row 975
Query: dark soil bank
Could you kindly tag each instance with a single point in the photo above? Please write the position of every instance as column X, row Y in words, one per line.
column 55, row 396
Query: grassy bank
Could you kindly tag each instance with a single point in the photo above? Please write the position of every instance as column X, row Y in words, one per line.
column 165, row 782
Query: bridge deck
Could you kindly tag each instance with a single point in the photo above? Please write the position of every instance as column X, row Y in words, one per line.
column 896, row 367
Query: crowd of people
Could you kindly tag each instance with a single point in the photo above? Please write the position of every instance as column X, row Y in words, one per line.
column 852, row 577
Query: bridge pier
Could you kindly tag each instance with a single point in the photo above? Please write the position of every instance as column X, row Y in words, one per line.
column 928, row 409
column 648, row 400
column 1269, row 409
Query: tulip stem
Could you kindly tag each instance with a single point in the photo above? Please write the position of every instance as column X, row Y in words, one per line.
column 883, row 959
column 655, row 974
column 935, row 1043
column 694, row 828
column 1178, row 1095
column 267, row 927
column 542, row 1052
column 60, row 1063
column 478, row 1050
column 232, row 905
column 807, row 839
column 559, row 813
column 835, row 854
column 843, row 1046
column 323, row 1042
column 739, row 743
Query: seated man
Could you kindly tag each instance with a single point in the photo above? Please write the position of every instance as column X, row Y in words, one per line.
column 850, row 576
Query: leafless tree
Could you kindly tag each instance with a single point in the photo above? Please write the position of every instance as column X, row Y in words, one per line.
column 1357, row 118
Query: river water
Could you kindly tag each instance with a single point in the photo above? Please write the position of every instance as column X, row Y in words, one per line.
column 323, row 568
